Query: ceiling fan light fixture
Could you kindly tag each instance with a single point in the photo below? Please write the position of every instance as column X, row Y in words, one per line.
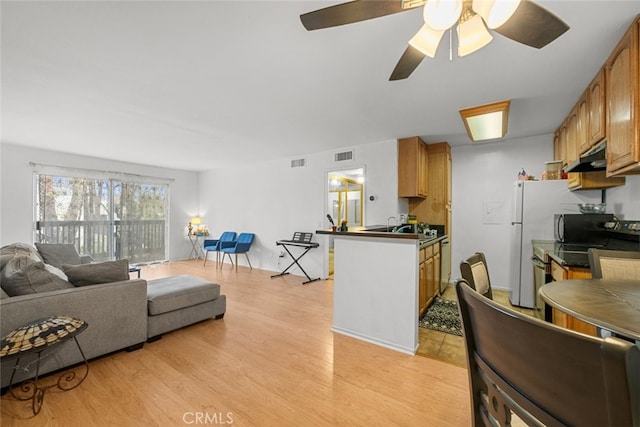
column 486, row 122
column 472, row 35
column 442, row 14
column 427, row 40
column 495, row 12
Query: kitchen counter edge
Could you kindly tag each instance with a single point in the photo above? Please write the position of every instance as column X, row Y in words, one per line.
column 363, row 232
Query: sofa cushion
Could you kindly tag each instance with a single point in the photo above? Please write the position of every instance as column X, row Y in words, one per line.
column 22, row 275
column 3, row 294
column 8, row 252
column 57, row 254
column 173, row 293
column 99, row 272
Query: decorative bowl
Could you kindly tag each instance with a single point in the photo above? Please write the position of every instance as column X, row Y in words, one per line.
column 592, row 208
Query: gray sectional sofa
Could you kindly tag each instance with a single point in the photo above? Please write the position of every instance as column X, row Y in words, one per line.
column 121, row 314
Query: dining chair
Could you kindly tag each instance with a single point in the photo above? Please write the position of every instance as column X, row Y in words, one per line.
column 609, row 264
column 544, row 374
column 475, row 271
column 240, row 246
column 211, row 245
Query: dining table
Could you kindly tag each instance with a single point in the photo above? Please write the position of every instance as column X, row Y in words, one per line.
column 610, row 304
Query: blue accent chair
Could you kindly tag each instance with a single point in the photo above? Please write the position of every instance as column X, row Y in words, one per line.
column 240, row 246
column 214, row 244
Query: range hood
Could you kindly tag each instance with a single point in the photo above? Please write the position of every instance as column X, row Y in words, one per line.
column 592, row 160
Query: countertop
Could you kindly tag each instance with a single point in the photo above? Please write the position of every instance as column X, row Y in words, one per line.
column 373, row 231
column 562, row 253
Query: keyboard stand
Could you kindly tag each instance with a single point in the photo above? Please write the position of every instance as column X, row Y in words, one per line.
column 307, row 247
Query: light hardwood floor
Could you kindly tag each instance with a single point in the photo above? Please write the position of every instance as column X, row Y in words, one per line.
column 272, row 360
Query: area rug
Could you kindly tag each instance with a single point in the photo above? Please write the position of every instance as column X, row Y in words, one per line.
column 442, row 316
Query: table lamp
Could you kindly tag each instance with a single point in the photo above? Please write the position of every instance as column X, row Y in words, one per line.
column 194, row 221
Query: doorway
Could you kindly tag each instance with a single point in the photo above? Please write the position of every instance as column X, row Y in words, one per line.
column 345, row 202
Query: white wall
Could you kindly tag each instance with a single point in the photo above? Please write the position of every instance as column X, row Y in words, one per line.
column 624, row 201
column 274, row 200
column 17, row 198
column 485, row 173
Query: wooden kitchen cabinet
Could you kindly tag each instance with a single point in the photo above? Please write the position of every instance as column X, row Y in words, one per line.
column 597, row 114
column 569, row 140
column 437, row 274
column 583, row 140
column 560, row 144
column 429, row 276
column 572, row 141
column 559, row 272
column 422, row 289
column 413, row 163
column 613, row 94
column 437, row 208
column 558, row 148
column 595, row 180
column 572, row 145
column 622, row 81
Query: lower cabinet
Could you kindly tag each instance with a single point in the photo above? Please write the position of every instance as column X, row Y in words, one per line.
column 559, row 272
column 429, row 276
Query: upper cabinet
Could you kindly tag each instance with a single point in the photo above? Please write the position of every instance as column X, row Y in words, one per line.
column 609, row 109
column 623, row 101
column 413, row 161
column 583, row 139
column 597, row 116
column 436, row 209
column 572, row 144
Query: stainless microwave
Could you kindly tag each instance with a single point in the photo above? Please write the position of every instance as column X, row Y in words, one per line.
column 581, row 228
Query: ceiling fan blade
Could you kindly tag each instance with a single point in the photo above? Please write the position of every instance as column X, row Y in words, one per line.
column 408, row 62
column 533, row 25
column 351, row 12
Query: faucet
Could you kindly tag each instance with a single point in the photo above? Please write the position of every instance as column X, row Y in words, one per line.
column 388, row 220
column 404, row 227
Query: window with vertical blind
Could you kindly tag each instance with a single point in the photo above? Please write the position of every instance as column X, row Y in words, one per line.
column 105, row 215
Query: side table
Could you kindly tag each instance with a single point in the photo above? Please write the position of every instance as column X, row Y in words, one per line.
column 40, row 339
column 135, row 269
column 197, row 243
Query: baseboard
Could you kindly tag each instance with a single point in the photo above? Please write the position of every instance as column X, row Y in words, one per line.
column 381, row 343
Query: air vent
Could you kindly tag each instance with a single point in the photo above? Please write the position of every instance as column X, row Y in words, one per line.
column 344, row 156
column 298, row 163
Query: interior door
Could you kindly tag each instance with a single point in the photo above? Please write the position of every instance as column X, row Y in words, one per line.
column 345, row 202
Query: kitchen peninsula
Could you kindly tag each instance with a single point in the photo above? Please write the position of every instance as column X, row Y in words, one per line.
column 377, row 284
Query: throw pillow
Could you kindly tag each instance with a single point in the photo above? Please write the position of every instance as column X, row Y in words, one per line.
column 57, row 254
column 22, row 276
column 17, row 249
column 99, row 272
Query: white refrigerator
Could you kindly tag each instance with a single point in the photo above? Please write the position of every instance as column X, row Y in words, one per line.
column 534, row 207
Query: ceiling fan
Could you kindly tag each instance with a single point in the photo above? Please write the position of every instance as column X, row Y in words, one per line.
column 520, row 20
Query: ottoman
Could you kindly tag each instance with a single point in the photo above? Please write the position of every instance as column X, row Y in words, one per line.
column 178, row 301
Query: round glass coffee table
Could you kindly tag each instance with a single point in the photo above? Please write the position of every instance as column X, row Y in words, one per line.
column 34, row 342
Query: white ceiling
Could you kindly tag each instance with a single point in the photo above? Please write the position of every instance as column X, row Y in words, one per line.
column 197, row 85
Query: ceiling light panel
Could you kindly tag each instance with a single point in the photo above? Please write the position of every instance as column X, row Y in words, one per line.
column 486, row 122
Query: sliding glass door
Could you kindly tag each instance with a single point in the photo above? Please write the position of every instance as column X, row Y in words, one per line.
column 103, row 217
